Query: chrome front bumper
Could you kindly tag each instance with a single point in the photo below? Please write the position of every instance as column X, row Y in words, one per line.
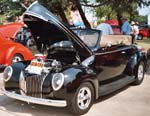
column 48, row 102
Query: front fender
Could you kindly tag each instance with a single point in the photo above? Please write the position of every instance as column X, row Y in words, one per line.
column 17, row 68
column 74, row 77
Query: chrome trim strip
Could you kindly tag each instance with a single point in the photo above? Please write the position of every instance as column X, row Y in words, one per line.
column 47, row 102
column 111, row 51
column 35, row 15
column 32, row 5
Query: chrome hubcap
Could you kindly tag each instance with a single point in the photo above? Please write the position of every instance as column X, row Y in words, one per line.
column 16, row 59
column 84, row 98
column 140, row 72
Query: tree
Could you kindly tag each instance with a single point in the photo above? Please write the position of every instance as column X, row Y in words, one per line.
column 12, row 8
column 57, row 6
column 9, row 9
column 105, row 11
column 123, row 6
column 78, row 5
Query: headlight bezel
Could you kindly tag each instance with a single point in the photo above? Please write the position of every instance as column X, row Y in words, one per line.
column 57, row 81
column 7, row 74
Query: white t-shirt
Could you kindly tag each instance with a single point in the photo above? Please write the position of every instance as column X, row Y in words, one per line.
column 135, row 29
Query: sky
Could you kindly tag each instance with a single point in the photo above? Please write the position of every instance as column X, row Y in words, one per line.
column 144, row 11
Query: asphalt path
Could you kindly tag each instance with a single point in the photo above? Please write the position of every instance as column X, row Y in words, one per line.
column 129, row 101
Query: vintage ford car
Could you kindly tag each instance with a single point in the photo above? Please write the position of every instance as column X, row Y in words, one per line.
column 12, row 52
column 79, row 67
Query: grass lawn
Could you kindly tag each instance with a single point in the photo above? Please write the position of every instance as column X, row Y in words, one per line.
column 145, row 43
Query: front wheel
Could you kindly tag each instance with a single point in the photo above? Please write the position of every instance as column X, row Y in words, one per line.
column 83, row 99
column 139, row 73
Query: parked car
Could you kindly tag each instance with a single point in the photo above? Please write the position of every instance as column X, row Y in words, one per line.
column 144, row 31
column 12, row 52
column 10, row 30
column 18, row 32
column 80, row 65
column 115, row 26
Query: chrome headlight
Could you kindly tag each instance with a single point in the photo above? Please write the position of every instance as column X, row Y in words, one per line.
column 57, row 81
column 7, row 73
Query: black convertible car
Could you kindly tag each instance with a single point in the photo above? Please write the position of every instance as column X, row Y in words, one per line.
column 79, row 67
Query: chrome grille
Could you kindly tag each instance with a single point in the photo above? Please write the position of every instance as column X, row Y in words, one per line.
column 32, row 85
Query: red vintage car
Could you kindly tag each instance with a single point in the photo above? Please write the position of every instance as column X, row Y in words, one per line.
column 144, row 31
column 12, row 51
column 115, row 26
column 10, row 30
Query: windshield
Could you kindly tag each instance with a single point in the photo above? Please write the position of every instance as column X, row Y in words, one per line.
column 89, row 37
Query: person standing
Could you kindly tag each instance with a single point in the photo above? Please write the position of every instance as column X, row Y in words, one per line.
column 76, row 19
column 135, row 30
column 126, row 27
column 105, row 27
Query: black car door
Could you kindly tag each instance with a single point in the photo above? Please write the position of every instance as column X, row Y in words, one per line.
column 111, row 62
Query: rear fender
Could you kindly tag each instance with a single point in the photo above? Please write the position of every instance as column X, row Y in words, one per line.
column 18, row 49
column 133, row 61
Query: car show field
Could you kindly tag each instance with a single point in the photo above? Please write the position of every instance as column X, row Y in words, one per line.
column 52, row 69
column 80, row 65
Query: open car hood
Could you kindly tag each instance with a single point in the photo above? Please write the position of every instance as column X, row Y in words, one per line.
column 48, row 29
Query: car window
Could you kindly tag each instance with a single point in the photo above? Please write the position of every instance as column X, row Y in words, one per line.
column 89, row 37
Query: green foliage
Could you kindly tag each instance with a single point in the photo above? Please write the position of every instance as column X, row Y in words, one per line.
column 2, row 19
column 9, row 9
column 141, row 19
column 111, row 9
column 55, row 5
column 114, row 9
column 117, row 7
column 105, row 11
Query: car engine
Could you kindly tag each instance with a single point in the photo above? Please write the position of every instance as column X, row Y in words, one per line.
column 41, row 65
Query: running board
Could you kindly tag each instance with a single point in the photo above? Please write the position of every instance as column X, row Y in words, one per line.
column 111, row 87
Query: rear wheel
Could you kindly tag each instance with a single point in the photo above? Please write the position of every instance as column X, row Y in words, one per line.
column 140, row 37
column 83, row 99
column 139, row 73
column 17, row 58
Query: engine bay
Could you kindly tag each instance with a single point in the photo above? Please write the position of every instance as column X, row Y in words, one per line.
column 43, row 66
